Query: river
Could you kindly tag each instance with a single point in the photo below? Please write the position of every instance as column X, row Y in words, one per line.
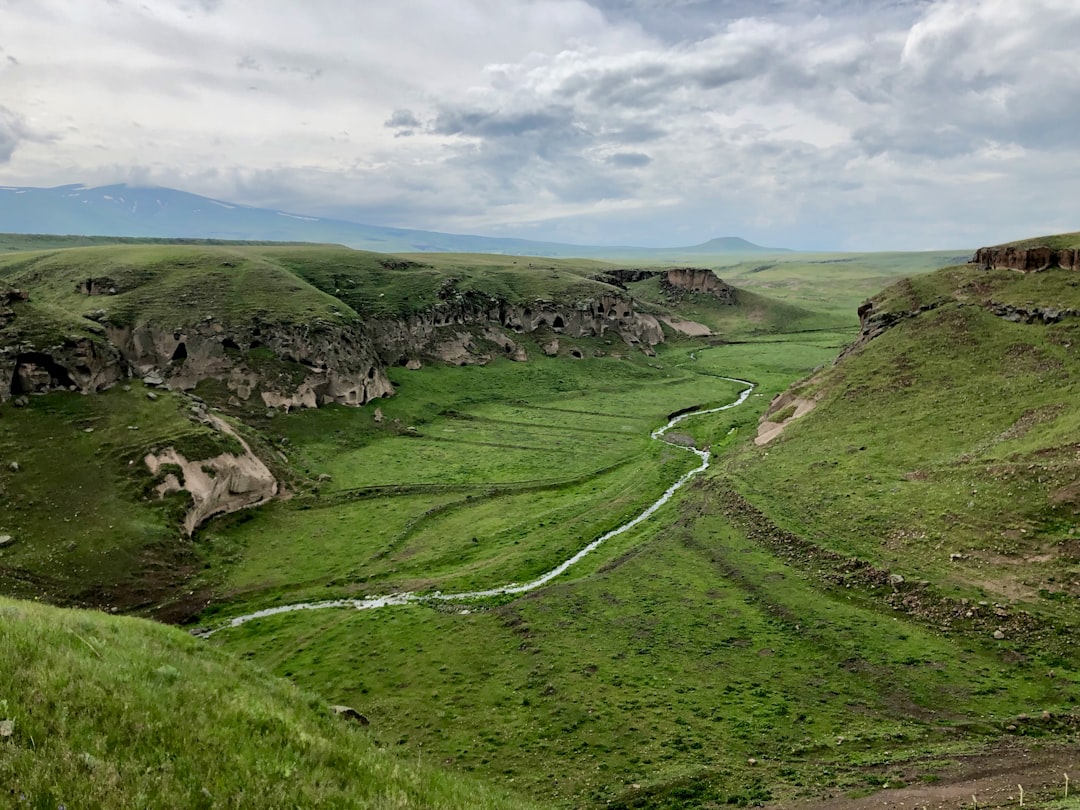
column 405, row 598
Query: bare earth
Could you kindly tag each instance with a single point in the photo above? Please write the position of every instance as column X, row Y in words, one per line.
column 990, row 777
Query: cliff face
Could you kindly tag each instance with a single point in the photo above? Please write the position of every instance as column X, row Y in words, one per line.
column 470, row 330
column 698, row 280
column 1027, row 259
column 297, row 365
column 287, row 365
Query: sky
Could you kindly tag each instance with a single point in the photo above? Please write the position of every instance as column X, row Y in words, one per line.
column 813, row 124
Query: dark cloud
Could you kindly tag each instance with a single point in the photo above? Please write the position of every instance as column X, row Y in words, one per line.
column 502, row 124
column 13, row 131
column 629, row 160
column 402, row 119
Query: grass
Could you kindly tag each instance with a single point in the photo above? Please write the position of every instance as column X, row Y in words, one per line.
column 80, row 504
column 474, row 486
column 944, row 449
column 1061, row 241
column 114, row 713
column 652, row 673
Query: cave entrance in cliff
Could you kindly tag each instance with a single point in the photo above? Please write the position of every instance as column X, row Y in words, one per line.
column 558, row 323
column 35, row 372
column 180, row 354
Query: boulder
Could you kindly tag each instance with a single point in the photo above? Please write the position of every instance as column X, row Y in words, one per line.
column 349, row 713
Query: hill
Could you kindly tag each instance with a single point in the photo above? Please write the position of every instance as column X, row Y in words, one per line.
column 790, row 625
column 110, row 712
column 942, row 446
column 132, row 211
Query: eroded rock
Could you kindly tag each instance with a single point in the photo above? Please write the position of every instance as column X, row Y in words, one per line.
column 219, row 485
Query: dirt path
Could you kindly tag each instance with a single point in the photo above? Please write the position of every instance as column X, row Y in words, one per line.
column 990, row 778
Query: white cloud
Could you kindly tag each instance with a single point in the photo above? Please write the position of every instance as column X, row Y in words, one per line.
column 806, row 122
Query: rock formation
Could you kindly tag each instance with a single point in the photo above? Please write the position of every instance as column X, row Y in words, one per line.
column 287, row 365
column 698, row 280
column 471, row 329
column 218, row 485
column 290, row 365
column 1028, row 260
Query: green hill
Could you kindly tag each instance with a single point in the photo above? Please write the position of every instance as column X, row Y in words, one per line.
column 109, row 712
column 943, row 445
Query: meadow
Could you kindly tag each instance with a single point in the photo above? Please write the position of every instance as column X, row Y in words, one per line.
column 682, row 664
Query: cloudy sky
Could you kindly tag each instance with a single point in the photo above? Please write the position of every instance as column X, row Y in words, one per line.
column 835, row 124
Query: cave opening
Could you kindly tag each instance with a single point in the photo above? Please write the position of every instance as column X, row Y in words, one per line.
column 35, row 371
column 558, row 323
column 180, row 354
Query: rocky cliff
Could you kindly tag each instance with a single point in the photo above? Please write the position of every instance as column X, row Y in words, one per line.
column 1029, row 259
column 217, row 486
column 675, row 281
column 469, row 328
column 698, row 280
column 286, row 365
column 290, row 365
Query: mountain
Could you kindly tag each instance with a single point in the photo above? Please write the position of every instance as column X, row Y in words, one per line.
column 122, row 210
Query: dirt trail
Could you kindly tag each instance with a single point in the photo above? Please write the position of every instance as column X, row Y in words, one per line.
column 990, row 777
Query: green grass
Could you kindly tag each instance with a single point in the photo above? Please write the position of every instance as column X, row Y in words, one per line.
column 669, row 666
column 1060, row 241
column 651, row 673
column 951, row 434
column 172, row 285
column 475, row 485
column 88, row 527
column 116, row 713
column 834, row 284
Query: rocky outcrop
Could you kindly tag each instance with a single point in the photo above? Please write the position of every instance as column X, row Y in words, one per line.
column 621, row 277
column 1027, row 260
column 305, row 365
column 695, row 279
column 287, row 365
column 31, row 364
column 874, row 322
column 217, row 486
column 468, row 328
column 1031, row 314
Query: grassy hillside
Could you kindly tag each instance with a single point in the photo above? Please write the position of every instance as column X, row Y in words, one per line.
column 78, row 499
column 173, row 284
column 787, row 628
column 108, row 712
column 1061, row 241
column 685, row 664
column 945, row 449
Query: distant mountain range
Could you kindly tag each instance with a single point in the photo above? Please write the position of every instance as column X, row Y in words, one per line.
column 122, row 210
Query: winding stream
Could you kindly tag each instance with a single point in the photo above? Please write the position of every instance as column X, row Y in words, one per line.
column 405, row 598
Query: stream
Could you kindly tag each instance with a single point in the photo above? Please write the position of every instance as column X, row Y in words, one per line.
column 405, row 598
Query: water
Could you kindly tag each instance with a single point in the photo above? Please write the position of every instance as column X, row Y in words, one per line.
column 405, row 598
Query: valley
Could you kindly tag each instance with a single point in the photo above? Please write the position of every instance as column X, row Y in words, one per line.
column 880, row 595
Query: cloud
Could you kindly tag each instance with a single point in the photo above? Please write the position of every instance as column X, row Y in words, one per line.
column 13, row 132
column 402, row 119
column 806, row 122
column 629, row 160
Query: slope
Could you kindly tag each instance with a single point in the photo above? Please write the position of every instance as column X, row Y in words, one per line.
column 109, row 712
column 942, row 446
